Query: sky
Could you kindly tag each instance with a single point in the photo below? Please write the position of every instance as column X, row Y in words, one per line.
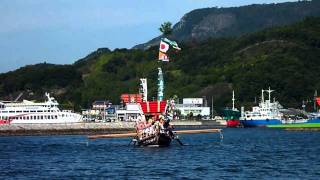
column 63, row 31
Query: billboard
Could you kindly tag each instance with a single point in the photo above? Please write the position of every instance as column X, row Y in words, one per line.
column 192, row 101
column 131, row 98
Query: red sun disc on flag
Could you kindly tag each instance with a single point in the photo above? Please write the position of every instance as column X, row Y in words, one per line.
column 162, row 46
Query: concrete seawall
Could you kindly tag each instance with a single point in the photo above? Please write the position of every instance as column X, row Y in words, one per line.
column 88, row 128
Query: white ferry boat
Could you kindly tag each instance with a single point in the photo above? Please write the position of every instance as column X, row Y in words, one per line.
column 33, row 112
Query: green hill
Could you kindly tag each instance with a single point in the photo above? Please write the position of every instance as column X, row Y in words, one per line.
column 285, row 58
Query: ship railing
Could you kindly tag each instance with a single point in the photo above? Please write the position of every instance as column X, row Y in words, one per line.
column 68, row 111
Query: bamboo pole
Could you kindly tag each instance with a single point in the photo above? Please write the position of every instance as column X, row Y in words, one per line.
column 125, row 135
column 198, row 131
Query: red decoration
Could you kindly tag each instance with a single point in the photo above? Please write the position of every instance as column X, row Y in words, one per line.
column 153, row 107
column 318, row 101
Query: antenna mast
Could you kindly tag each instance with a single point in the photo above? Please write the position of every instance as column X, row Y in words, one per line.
column 269, row 91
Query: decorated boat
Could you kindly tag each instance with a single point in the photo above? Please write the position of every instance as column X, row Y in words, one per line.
column 154, row 129
column 154, row 132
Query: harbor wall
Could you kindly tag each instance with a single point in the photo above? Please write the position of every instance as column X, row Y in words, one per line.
column 88, row 128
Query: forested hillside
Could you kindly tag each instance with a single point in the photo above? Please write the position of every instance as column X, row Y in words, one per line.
column 285, row 58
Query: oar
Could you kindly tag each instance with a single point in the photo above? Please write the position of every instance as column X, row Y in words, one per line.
column 178, row 140
column 195, row 131
column 123, row 135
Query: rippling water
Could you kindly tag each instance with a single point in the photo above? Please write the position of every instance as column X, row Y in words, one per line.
column 242, row 154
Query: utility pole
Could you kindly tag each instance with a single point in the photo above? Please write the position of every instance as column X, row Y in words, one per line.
column 212, row 107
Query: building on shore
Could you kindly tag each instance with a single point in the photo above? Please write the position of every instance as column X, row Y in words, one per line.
column 131, row 112
column 102, row 111
column 193, row 108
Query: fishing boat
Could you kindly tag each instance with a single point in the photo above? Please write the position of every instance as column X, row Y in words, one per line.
column 314, row 118
column 232, row 115
column 26, row 112
column 313, row 121
column 267, row 113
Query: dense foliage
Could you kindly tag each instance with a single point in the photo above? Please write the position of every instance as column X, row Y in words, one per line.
column 285, row 58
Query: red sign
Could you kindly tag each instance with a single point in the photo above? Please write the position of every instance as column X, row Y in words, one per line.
column 131, row 98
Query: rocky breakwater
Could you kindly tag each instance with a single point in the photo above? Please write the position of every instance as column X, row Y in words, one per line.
column 66, row 129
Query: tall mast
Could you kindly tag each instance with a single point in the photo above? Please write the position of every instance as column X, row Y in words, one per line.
column 160, row 85
column 212, row 107
column 269, row 91
column 262, row 97
column 314, row 100
column 233, row 100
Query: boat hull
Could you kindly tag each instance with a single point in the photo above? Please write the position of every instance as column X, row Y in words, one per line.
column 159, row 140
column 260, row 122
column 233, row 123
column 232, row 117
column 315, row 120
column 311, row 123
column 300, row 125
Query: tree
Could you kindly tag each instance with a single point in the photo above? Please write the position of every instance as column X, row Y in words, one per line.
column 166, row 28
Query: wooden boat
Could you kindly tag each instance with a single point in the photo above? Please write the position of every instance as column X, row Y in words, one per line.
column 158, row 139
column 154, row 133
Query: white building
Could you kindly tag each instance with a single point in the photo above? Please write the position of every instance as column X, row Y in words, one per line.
column 132, row 112
column 194, row 106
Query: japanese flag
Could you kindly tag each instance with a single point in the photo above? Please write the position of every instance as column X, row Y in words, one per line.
column 164, row 47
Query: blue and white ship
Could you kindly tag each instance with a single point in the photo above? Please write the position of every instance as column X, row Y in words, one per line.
column 267, row 113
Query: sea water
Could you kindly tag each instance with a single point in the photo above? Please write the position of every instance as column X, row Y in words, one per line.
column 241, row 154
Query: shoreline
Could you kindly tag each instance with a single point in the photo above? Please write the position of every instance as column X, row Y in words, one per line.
column 91, row 128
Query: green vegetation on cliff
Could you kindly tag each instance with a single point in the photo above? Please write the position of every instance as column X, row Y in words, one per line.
column 201, row 24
